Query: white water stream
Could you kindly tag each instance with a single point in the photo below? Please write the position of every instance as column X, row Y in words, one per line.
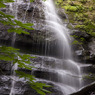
column 70, row 74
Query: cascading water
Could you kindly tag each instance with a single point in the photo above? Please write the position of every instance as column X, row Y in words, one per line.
column 65, row 73
column 69, row 71
column 55, row 25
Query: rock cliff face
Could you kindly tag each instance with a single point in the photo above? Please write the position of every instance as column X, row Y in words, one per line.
column 42, row 75
column 84, row 49
column 27, row 13
column 38, row 38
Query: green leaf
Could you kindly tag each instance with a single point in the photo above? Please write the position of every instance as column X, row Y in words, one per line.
column 5, row 58
column 23, row 65
column 46, row 90
column 8, row 49
column 8, row 1
column 2, row 5
column 26, row 26
column 31, row 0
column 17, row 30
column 26, row 76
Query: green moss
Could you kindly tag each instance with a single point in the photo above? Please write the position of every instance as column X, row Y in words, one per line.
column 92, row 33
column 71, row 8
column 76, row 8
column 69, row 26
column 81, row 13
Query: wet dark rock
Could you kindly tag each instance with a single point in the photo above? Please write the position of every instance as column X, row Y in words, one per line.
column 43, row 74
column 5, row 65
column 30, row 9
column 21, row 88
column 83, row 38
column 5, row 83
column 62, row 14
column 54, row 90
column 85, row 48
column 83, row 55
column 88, row 90
column 31, row 13
column 45, row 61
column 34, row 14
column 81, row 34
column 89, row 51
column 91, row 46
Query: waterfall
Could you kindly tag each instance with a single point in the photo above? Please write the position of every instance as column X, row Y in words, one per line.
column 55, row 25
column 69, row 71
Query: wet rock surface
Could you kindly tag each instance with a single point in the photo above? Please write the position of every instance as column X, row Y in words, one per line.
column 85, row 53
column 87, row 90
column 85, row 48
column 28, row 13
column 21, row 88
column 5, row 65
column 5, row 82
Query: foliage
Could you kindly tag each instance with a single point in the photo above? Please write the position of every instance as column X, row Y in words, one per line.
column 81, row 14
column 90, row 76
column 78, row 42
column 71, row 8
column 11, row 54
